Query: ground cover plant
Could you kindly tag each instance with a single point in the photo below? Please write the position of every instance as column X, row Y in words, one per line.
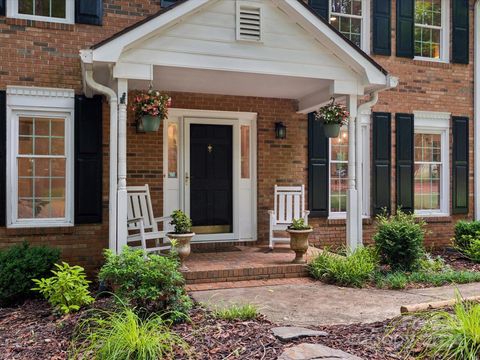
column 67, row 290
column 150, row 285
column 237, row 312
column 467, row 239
column 20, row 264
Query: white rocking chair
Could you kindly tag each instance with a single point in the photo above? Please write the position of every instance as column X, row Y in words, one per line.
column 142, row 226
column 289, row 204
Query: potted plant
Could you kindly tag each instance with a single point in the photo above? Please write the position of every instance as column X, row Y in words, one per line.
column 150, row 108
column 299, row 232
column 333, row 117
column 181, row 236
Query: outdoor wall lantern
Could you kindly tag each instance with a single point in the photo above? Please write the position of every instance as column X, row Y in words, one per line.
column 280, row 130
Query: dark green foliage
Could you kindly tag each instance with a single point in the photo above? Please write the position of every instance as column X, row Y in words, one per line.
column 467, row 239
column 150, row 285
column 299, row 224
column 399, row 240
column 20, row 264
column 181, row 222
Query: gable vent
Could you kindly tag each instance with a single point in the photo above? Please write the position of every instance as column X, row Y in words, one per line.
column 249, row 22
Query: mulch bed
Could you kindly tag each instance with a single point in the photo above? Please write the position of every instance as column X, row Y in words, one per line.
column 32, row 332
column 456, row 260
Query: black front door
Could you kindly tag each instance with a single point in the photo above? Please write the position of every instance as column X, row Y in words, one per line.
column 211, row 178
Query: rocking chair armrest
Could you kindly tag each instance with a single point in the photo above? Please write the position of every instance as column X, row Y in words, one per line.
column 271, row 212
column 134, row 220
column 162, row 219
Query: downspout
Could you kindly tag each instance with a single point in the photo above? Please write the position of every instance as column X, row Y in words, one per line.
column 112, row 204
column 476, row 117
column 365, row 107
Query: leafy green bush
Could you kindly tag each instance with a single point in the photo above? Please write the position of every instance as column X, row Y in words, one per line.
column 299, row 224
column 106, row 335
column 181, row 222
column 356, row 269
column 467, row 239
column 67, row 291
column 447, row 335
column 237, row 312
column 399, row 240
column 152, row 284
column 19, row 264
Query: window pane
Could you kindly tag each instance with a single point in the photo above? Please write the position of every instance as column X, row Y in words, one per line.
column 42, row 127
column 58, row 9
column 25, row 7
column 42, row 167
column 339, row 171
column 42, row 7
column 25, row 126
column 25, row 208
column 47, row 8
column 339, row 147
column 25, row 145
column 172, row 150
column 245, row 151
column 428, row 23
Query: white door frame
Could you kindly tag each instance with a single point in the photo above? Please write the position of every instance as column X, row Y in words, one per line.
column 176, row 193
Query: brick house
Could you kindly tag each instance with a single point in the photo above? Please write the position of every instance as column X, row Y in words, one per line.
column 70, row 144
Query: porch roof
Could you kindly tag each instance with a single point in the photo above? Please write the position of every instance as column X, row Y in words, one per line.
column 309, row 61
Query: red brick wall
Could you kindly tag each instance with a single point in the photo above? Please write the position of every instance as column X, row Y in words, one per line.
column 42, row 54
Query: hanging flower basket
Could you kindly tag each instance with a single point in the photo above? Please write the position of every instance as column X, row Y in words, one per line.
column 333, row 116
column 150, row 109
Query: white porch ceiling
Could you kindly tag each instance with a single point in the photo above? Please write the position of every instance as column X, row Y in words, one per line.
column 231, row 83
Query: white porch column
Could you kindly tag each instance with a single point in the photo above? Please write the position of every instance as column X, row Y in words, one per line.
column 122, row 165
column 353, row 216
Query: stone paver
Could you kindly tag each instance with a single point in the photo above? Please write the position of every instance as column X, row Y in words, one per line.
column 315, row 352
column 295, row 332
column 320, row 304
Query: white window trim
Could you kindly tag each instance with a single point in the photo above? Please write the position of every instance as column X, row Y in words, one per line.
column 12, row 12
column 33, row 101
column 255, row 5
column 365, row 130
column 444, row 36
column 437, row 123
column 365, row 34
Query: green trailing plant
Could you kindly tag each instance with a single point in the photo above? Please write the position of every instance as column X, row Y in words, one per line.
column 151, row 285
column 356, row 269
column 299, row 224
column 399, row 240
column 19, row 264
column 332, row 114
column 123, row 334
column 181, row 222
column 236, row 312
column 67, row 291
column 449, row 335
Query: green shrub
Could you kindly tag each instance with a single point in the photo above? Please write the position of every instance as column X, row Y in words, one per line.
column 107, row 335
column 432, row 264
column 470, row 229
column 396, row 280
column 449, row 335
column 237, row 312
column 399, row 240
column 19, row 264
column 152, row 284
column 299, row 224
column 67, row 291
column 181, row 222
column 356, row 269
column 399, row 280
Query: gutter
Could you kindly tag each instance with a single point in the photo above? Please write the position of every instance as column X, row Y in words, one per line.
column 112, row 204
column 476, row 115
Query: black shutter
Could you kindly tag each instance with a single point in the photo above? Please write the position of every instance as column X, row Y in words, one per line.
column 405, row 28
column 3, row 156
column 89, row 12
column 318, row 190
column 320, row 7
column 88, row 160
column 460, row 32
column 382, row 145
column 2, row 7
column 382, row 13
column 460, row 165
column 404, row 161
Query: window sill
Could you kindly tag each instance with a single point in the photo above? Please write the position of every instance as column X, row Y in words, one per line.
column 64, row 229
column 40, row 24
column 432, row 62
column 434, row 217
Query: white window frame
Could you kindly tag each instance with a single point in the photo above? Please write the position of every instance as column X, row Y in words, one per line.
column 38, row 102
column 437, row 123
column 12, row 12
column 444, row 34
column 365, row 192
column 365, row 33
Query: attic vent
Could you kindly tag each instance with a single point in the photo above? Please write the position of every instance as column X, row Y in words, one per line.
column 249, row 22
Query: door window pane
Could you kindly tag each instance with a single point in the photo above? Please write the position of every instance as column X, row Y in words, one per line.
column 172, row 150
column 339, row 172
column 245, row 151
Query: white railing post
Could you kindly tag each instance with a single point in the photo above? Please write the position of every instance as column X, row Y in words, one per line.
column 353, row 217
column 122, row 231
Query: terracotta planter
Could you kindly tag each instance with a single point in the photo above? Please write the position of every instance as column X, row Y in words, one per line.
column 332, row 130
column 299, row 244
column 149, row 123
column 182, row 247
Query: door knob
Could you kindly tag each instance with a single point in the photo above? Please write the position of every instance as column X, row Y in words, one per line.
column 187, row 178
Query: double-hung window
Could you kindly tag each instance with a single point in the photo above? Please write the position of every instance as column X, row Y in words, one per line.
column 350, row 18
column 40, row 157
column 431, row 29
column 431, row 169
column 43, row 10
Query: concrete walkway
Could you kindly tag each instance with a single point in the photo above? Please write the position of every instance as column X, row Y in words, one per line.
column 321, row 304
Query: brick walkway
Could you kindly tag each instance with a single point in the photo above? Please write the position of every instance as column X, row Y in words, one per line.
column 245, row 263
